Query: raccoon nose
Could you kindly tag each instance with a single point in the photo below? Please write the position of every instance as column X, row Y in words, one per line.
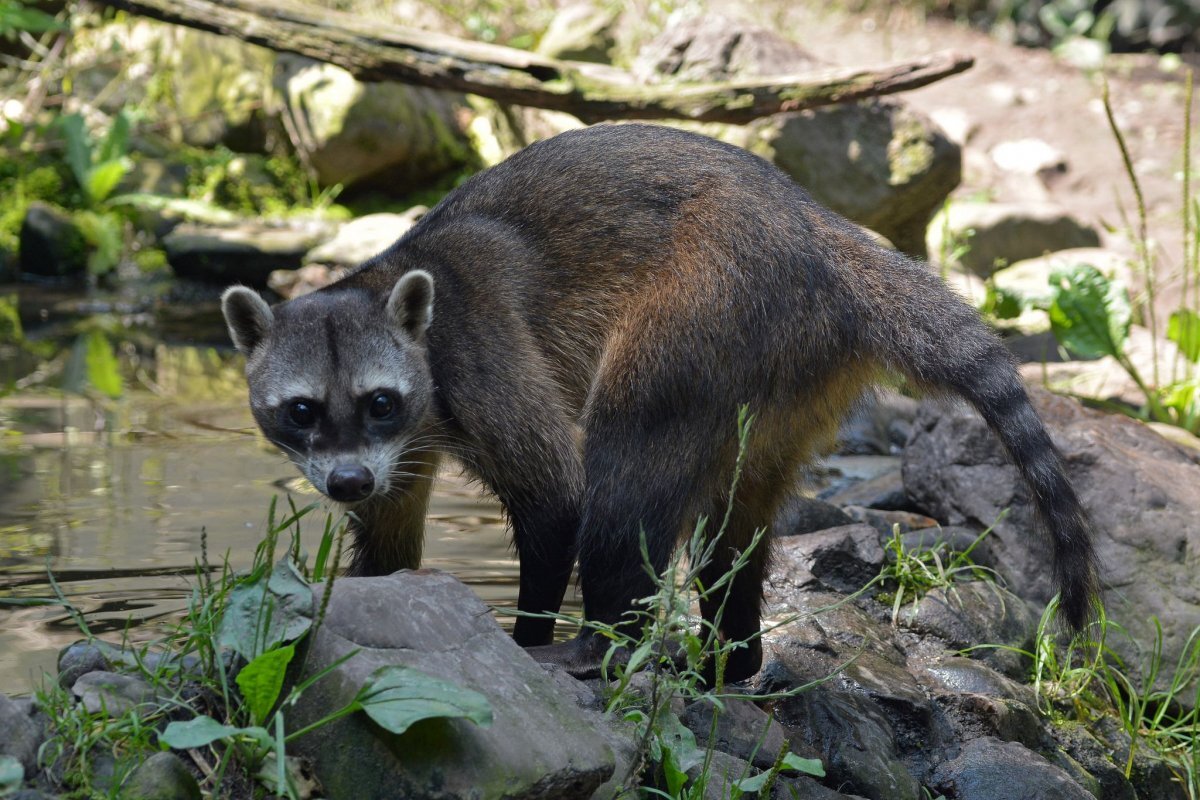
column 349, row 484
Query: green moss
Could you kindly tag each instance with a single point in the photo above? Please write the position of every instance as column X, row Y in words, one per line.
column 910, row 153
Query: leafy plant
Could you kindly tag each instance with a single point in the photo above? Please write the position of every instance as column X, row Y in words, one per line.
column 1157, row 704
column 222, row 673
column 17, row 17
column 911, row 573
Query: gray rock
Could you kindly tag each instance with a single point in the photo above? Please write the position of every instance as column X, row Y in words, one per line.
column 886, row 522
column 976, row 715
column 161, row 777
column 968, row 613
column 853, row 738
column 209, row 89
column 879, row 163
column 884, row 492
column 800, row 514
column 1086, row 751
column 1029, row 156
column 113, row 694
column 383, row 135
column 879, row 425
column 1004, row 233
column 580, row 31
column 539, row 745
column 80, row 658
column 20, row 735
column 359, row 239
column 246, row 252
column 51, row 244
column 1138, row 488
column 742, row 729
column 987, row 769
column 717, row 780
column 955, row 674
column 842, row 559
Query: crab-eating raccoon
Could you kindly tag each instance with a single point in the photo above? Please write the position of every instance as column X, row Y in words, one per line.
column 579, row 327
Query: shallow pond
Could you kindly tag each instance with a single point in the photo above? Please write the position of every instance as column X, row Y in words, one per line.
column 111, row 493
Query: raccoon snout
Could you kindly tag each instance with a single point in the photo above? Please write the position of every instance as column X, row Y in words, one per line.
column 350, row 483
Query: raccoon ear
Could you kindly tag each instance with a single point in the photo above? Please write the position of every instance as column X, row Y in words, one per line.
column 410, row 305
column 248, row 316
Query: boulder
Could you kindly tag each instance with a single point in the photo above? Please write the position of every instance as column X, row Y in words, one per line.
column 540, row 744
column 999, row 234
column 20, row 735
column 209, row 89
column 386, row 136
column 842, row 559
column 245, row 252
column 51, row 244
column 162, row 776
column 361, row 238
column 113, row 694
column 580, row 31
column 884, row 491
column 878, row 162
column 742, row 729
column 799, row 514
column 1139, row 489
column 988, row 768
column 853, row 739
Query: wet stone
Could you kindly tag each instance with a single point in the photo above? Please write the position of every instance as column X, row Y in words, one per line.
column 78, row 659
column 976, row 715
column 111, row 693
column 987, row 769
column 20, row 735
column 885, row 491
column 885, row 521
column 1086, row 751
column 799, row 514
column 743, row 730
column 161, row 777
column 854, row 740
column 843, row 559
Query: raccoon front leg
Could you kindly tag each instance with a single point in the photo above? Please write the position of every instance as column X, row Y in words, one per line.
column 517, row 436
column 389, row 530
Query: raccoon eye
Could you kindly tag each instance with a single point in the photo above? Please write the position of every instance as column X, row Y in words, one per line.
column 302, row 413
column 382, row 405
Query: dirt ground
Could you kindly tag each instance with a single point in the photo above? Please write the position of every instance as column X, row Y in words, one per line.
column 1015, row 93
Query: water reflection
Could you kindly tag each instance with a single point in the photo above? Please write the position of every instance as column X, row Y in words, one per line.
column 112, row 496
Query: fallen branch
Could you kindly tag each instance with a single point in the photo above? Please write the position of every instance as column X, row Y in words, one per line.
column 374, row 51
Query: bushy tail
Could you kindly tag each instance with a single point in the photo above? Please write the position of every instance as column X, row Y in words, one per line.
column 941, row 343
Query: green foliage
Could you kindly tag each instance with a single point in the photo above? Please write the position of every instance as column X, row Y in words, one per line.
column 1157, row 704
column 17, row 17
column 234, row 651
column 103, row 371
column 10, row 321
column 12, row 774
column 1089, row 314
column 98, row 167
column 396, row 697
column 910, row 574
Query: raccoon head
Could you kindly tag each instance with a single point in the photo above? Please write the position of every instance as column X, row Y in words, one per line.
column 339, row 381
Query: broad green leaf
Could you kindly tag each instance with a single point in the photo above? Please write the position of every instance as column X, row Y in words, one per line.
column 1002, row 303
column 12, row 774
column 103, row 178
column 196, row 732
column 203, row 731
column 79, row 147
column 105, row 233
column 1184, row 330
column 103, row 371
column 116, row 142
column 397, row 696
column 679, row 751
column 1090, row 315
column 15, row 17
column 262, row 679
column 265, row 613
column 754, row 782
column 807, row 766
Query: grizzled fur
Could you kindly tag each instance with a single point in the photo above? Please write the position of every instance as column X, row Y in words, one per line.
column 579, row 326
